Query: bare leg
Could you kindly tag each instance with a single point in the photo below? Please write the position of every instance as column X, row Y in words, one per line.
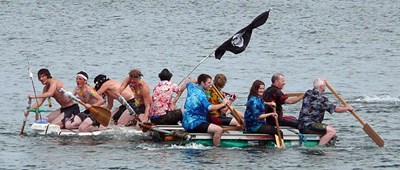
column 217, row 131
column 125, row 118
column 57, row 120
column 330, row 133
column 73, row 124
column 50, row 117
column 233, row 122
column 87, row 126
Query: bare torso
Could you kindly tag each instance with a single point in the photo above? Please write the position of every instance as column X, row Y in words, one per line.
column 64, row 101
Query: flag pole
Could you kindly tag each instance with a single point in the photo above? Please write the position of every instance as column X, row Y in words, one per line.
column 204, row 59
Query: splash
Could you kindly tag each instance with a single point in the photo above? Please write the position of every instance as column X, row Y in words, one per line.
column 378, row 99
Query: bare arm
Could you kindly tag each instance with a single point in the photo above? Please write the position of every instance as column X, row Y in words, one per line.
column 99, row 99
column 147, row 101
column 39, row 100
column 47, row 93
column 265, row 115
column 341, row 109
column 110, row 102
column 218, row 106
column 123, row 85
column 38, row 104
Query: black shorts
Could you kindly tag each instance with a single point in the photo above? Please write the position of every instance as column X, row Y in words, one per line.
column 202, row 128
column 122, row 109
column 318, row 128
column 83, row 115
column 69, row 112
column 223, row 120
column 170, row 118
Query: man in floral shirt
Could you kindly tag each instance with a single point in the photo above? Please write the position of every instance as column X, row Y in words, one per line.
column 162, row 111
column 313, row 110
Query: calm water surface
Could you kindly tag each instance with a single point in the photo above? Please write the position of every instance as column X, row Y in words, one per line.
column 354, row 44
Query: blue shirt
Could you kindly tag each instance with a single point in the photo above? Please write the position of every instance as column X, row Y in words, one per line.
column 313, row 108
column 196, row 107
column 254, row 108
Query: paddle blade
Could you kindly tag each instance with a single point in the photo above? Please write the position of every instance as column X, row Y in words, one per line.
column 373, row 135
column 101, row 114
column 22, row 129
column 279, row 142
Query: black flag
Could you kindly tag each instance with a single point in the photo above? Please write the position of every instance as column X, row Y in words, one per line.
column 238, row 42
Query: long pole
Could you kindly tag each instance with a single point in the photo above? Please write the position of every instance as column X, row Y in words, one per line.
column 180, row 93
column 26, row 113
column 37, row 115
column 204, row 59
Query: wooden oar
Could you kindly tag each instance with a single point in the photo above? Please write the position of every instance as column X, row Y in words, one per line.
column 233, row 111
column 366, row 127
column 294, row 94
column 278, row 138
column 101, row 114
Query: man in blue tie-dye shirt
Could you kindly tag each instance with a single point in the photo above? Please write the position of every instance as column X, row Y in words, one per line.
column 197, row 106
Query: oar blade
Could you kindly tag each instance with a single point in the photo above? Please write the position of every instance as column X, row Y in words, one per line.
column 279, row 142
column 22, row 129
column 373, row 135
column 101, row 114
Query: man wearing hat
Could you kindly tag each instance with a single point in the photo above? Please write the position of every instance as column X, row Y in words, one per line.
column 141, row 91
column 88, row 95
column 162, row 111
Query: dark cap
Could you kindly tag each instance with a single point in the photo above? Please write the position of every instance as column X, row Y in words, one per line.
column 99, row 80
column 135, row 73
column 165, row 74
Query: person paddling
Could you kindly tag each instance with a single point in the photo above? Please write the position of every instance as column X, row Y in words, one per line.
column 313, row 110
column 64, row 116
column 88, row 95
column 219, row 117
column 255, row 113
column 141, row 91
column 110, row 88
column 274, row 94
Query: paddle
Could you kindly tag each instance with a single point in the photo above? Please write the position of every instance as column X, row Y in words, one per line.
column 37, row 115
column 101, row 114
column 278, row 138
column 233, row 111
column 26, row 113
column 366, row 127
column 294, row 94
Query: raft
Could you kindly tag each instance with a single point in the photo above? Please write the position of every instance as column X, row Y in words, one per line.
column 175, row 134
column 42, row 127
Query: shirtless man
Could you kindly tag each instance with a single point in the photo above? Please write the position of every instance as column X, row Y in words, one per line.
column 88, row 95
column 110, row 88
column 141, row 91
column 63, row 116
